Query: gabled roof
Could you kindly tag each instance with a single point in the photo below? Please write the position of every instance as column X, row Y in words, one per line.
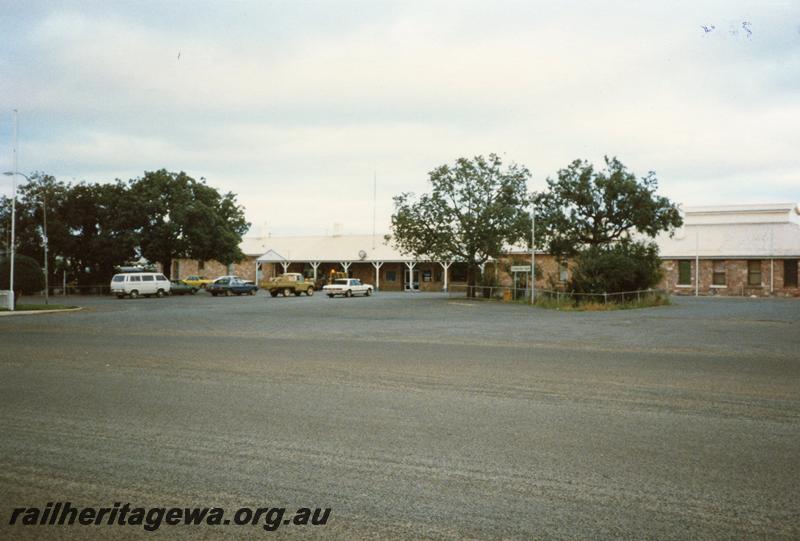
column 271, row 256
column 754, row 231
column 324, row 248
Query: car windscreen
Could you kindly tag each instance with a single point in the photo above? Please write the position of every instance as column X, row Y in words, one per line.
column 118, row 278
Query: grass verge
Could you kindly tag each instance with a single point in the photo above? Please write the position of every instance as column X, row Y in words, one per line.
column 25, row 307
column 569, row 305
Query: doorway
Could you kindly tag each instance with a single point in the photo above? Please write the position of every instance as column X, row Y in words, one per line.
column 415, row 279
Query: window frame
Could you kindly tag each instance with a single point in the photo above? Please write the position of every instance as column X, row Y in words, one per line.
column 715, row 273
column 753, row 269
column 787, row 264
column 563, row 271
column 682, row 263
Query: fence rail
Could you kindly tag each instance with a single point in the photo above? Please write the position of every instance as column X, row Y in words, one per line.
column 503, row 293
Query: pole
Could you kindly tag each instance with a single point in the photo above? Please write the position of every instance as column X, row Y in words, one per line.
column 13, row 215
column 533, row 254
column 44, row 236
column 696, row 262
column 374, row 204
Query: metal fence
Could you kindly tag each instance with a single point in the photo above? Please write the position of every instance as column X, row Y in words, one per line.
column 511, row 294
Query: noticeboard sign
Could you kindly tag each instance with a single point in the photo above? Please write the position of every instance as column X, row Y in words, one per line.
column 520, row 268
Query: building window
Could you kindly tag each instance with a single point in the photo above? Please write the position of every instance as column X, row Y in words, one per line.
column 754, row 272
column 391, row 276
column 790, row 273
column 719, row 278
column 426, row 276
column 201, row 265
column 563, row 271
column 684, row 273
column 458, row 273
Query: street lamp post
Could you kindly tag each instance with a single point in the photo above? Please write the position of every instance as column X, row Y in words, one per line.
column 44, row 235
column 533, row 254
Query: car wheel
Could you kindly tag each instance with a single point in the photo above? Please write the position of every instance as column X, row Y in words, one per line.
column 287, row 292
column 134, row 294
column 310, row 291
column 273, row 293
column 330, row 295
column 348, row 293
column 368, row 293
column 160, row 293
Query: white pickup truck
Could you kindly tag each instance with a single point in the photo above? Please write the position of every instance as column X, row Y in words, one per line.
column 347, row 287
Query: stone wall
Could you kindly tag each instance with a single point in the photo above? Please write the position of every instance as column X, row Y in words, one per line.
column 499, row 273
column 736, row 283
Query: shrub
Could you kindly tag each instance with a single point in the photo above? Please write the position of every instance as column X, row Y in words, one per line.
column 28, row 276
column 624, row 266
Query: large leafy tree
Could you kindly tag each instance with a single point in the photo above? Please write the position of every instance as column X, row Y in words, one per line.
column 41, row 194
column 474, row 210
column 179, row 217
column 605, row 219
column 584, row 207
column 102, row 220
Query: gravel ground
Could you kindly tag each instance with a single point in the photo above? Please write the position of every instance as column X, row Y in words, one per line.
column 410, row 415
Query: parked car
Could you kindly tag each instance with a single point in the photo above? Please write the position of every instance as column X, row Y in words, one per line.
column 347, row 287
column 197, row 281
column 228, row 286
column 134, row 284
column 290, row 283
column 234, row 277
column 179, row 287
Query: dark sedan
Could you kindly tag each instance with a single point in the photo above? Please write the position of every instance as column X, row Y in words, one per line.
column 231, row 286
column 177, row 287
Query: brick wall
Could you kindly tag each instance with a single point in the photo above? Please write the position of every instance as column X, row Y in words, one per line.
column 736, row 282
column 735, row 273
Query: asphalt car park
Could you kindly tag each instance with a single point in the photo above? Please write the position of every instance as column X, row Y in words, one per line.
column 411, row 415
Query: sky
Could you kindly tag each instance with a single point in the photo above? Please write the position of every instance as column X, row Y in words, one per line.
column 302, row 108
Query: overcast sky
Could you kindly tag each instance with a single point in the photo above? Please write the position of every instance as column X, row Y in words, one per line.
column 296, row 105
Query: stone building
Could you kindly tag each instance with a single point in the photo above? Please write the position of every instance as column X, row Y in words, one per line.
column 368, row 258
column 720, row 250
column 734, row 250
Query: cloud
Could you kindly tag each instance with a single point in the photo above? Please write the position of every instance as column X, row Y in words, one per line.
column 265, row 98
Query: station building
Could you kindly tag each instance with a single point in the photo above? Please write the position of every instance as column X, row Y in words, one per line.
column 720, row 250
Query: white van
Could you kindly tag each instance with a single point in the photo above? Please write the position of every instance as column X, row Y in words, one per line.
column 134, row 284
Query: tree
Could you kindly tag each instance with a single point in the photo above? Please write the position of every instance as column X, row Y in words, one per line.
column 102, row 219
column 475, row 209
column 42, row 193
column 603, row 219
column 28, row 276
column 584, row 207
column 179, row 217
